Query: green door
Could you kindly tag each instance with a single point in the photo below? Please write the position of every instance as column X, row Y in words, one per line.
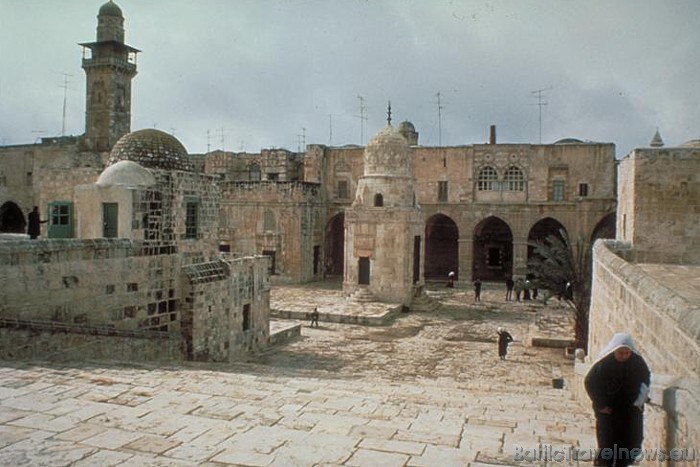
column 60, row 219
column 110, row 219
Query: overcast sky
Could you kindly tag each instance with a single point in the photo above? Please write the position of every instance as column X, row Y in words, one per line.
column 260, row 73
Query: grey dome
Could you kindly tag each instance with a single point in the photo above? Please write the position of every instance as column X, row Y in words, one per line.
column 126, row 173
column 110, row 9
column 153, row 149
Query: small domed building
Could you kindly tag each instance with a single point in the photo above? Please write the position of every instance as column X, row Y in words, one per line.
column 384, row 225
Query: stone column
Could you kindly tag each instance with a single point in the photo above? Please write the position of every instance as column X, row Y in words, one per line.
column 519, row 257
column 465, row 253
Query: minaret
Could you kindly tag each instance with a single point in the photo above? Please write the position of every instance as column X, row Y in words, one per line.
column 109, row 66
column 384, row 226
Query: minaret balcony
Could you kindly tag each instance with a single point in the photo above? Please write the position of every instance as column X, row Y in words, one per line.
column 118, row 63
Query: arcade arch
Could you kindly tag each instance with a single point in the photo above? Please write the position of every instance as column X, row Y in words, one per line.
column 335, row 245
column 492, row 250
column 12, row 218
column 541, row 230
column 441, row 247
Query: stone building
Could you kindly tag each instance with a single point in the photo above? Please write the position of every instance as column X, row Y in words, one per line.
column 132, row 246
column 384, row 224
column 647, row 282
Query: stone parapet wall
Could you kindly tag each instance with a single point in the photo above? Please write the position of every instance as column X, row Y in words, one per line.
column 100, row 282
column 25, row 344
column 666, row 327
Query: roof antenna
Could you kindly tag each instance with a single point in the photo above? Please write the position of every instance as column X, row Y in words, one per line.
column 388, row 114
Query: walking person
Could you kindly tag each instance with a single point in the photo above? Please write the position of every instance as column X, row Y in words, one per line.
column 451, row 279
column 509, row 289
column 504, row 338
column 314, row 317
column 477, row 290
column 618, row 385
column 34, row 224
column 518, row 289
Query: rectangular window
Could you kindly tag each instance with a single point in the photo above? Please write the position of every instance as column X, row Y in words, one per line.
column 273, row 177
column 246, row 317
column 191, row 219
column 442, row 192
column 271, row 254
column 342, row 189
column 30, row 179
column 583, row 190
column 558, row 190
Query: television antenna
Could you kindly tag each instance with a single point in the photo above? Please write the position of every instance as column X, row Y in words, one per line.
column 539, row 95
column 362, row 118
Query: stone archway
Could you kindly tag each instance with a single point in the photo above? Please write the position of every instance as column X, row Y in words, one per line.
column 441, row 247
column 12, row 218
column 335, row 245
column 541, row 230
column 492, row 250
column 606, row 228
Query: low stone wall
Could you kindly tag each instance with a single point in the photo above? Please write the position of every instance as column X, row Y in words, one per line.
column 31, row 344
column 666, row 329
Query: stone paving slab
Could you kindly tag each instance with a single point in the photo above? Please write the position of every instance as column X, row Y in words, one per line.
column 425, row 390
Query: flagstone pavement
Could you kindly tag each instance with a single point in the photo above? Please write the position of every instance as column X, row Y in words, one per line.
column 426, row 389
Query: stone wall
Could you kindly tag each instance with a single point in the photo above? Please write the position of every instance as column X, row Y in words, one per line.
column 659, row 188
column 666, row 328
column 58, row 293
column 227, row 308
column 281, row 219
column 101, row 282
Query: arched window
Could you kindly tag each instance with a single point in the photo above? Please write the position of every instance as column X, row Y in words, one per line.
column 488, row 178
column 254, row 172
column 378, row 200
column 515, row 181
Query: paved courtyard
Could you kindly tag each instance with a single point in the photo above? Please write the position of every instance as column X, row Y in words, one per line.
column 426, row 390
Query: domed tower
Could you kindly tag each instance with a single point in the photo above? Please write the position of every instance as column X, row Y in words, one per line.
column 384, row 225
column 109, row 66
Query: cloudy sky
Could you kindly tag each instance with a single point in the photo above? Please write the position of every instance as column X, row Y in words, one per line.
column 258, row 74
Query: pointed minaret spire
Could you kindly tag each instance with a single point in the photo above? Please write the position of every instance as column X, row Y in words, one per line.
column 388, row 114
column 656, row 141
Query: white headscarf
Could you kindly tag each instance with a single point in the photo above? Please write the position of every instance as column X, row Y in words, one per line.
column 620, row 339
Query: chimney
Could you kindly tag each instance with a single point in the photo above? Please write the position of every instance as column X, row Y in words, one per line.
column 492, row 134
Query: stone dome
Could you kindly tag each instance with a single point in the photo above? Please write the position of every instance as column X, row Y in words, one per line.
column 406, row 126
column 153, row 149
column 388, row 153
column 126, row 173
column 110, row 9
column 569, row 141
column 693, row 143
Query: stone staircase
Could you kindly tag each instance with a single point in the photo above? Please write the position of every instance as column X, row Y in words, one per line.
column 424, row 303
column 362, row 295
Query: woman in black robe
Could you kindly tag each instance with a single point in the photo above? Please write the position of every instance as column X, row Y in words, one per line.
column 618, row 385
column 504, row 338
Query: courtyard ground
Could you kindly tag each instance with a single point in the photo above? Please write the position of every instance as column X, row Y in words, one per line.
column 425, row 389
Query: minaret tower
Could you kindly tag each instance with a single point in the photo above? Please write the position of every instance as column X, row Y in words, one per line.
column 384, row 226
column 109, row 66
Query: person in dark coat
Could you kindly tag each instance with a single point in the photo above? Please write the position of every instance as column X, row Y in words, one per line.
column 314, row 317
column 509, row 289
column 504, row 338
column 477, row 290
column 618, row 385
column 34, row 223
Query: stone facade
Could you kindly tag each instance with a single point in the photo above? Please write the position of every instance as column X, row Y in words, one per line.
column 647, row 282
column 658, row 188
